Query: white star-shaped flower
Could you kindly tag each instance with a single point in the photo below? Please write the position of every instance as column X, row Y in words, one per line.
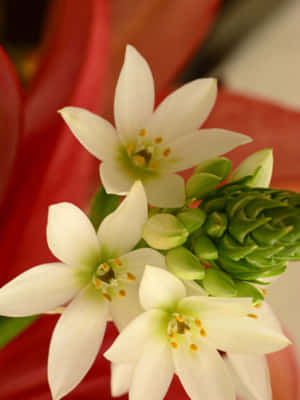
column 181, row 335
column 152, row 145
column 98, row 278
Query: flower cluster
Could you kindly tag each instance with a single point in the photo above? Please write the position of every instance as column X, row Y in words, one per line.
column 183, row 285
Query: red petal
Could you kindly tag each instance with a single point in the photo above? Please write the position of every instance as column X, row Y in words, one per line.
column 166, row 32
column 270, row 125
column 10, row 120
column 56, row 168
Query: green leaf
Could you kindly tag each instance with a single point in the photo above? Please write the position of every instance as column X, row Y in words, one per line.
column 184, row 264
column 11, row 327
column 103, row 204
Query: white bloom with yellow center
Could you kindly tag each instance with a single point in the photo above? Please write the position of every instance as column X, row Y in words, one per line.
column 181, row 335
column 152, row 146
column 98, row 278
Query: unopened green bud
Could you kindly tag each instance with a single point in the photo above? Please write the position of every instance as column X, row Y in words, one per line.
column 220, row 167
column 192, row 219
column 164, row 231
column 218, row 283
column 200, row 185
column 246, row 290
column 204, row 248
column 216, row 224
column 258, row 167
column 184, row 264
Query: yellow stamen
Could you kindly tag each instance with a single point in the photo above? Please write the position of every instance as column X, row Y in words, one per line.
column 158, row 139
column 198, row 323
column 264, row 292
column 97, row 282
column 172, row 335
column 105, row 267
column 174, row 345
column 130, row 148
column 203, row 332
column 107, row 296
column 258, row 305
column 253, row 316
column 167, row 152
column 139, row 161
column 131, row 277
column 122, row 293
column 142, row 132
column 193, row 347
column 153, row 165
column 179, row 318
column 117, row 262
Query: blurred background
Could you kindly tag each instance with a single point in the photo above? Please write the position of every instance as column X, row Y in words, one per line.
column 252, row 46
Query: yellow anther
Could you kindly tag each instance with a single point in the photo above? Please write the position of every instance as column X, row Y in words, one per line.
column 179, row 318
column 130, row 148
column 117, row 262
column 158, row 139
column 258, row 305
column 142, row 132
column 97, row 282
column 139, row 161
column 153, row 164
column 174, row 345
column 252, row 316
column 264, row 292
column 122, row 293
column 167, row 152
column 198, row 323
column 203, row 332
column 131, row 277
column 105, row 267
column 171, row 335
column 107, row 296
column 193, row 347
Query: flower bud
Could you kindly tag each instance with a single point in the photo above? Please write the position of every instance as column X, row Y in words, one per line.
column 184, row 264
column 219, row 166
column 199, row 185
column 218, row 283
column 192, row 219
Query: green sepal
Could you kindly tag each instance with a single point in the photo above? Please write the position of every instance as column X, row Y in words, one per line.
column 235, row 250
column 102, row 205
column 220, row 167
column 184, row 264
column 200, row 185
column 219, row 284
column 204, row 248
column 216, row 224
column 192, row 219
column 245, row 289
column 11, row 327
column 164, row 231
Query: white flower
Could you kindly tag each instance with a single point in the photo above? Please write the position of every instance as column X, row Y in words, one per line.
column 181, row 335
column 99, row 276
column 151, row 146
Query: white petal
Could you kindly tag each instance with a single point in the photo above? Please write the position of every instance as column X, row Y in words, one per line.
column 121, row 230
column 160, row 289
column 125, row 309
column 38, row 290
column 215, row 307
column 96, row 134
column 75, row 342
column 203, row 373
column 193, row 289
column 135, row 261
column 251, row 376
column 201, row 145
column 115, row 177
column 134, row 97
column 266, row 314
column 153, row 373
column 121, row 376
column 129, row 345
column 244, row 335
column 71, row 236
column 184, row 110
column 165, row 190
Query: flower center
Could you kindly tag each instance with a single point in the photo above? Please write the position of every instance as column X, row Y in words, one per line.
column 185, row 327
column 148, row 152
column 110, row 277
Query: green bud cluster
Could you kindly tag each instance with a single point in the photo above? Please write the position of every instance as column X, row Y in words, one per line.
column 244, row 235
